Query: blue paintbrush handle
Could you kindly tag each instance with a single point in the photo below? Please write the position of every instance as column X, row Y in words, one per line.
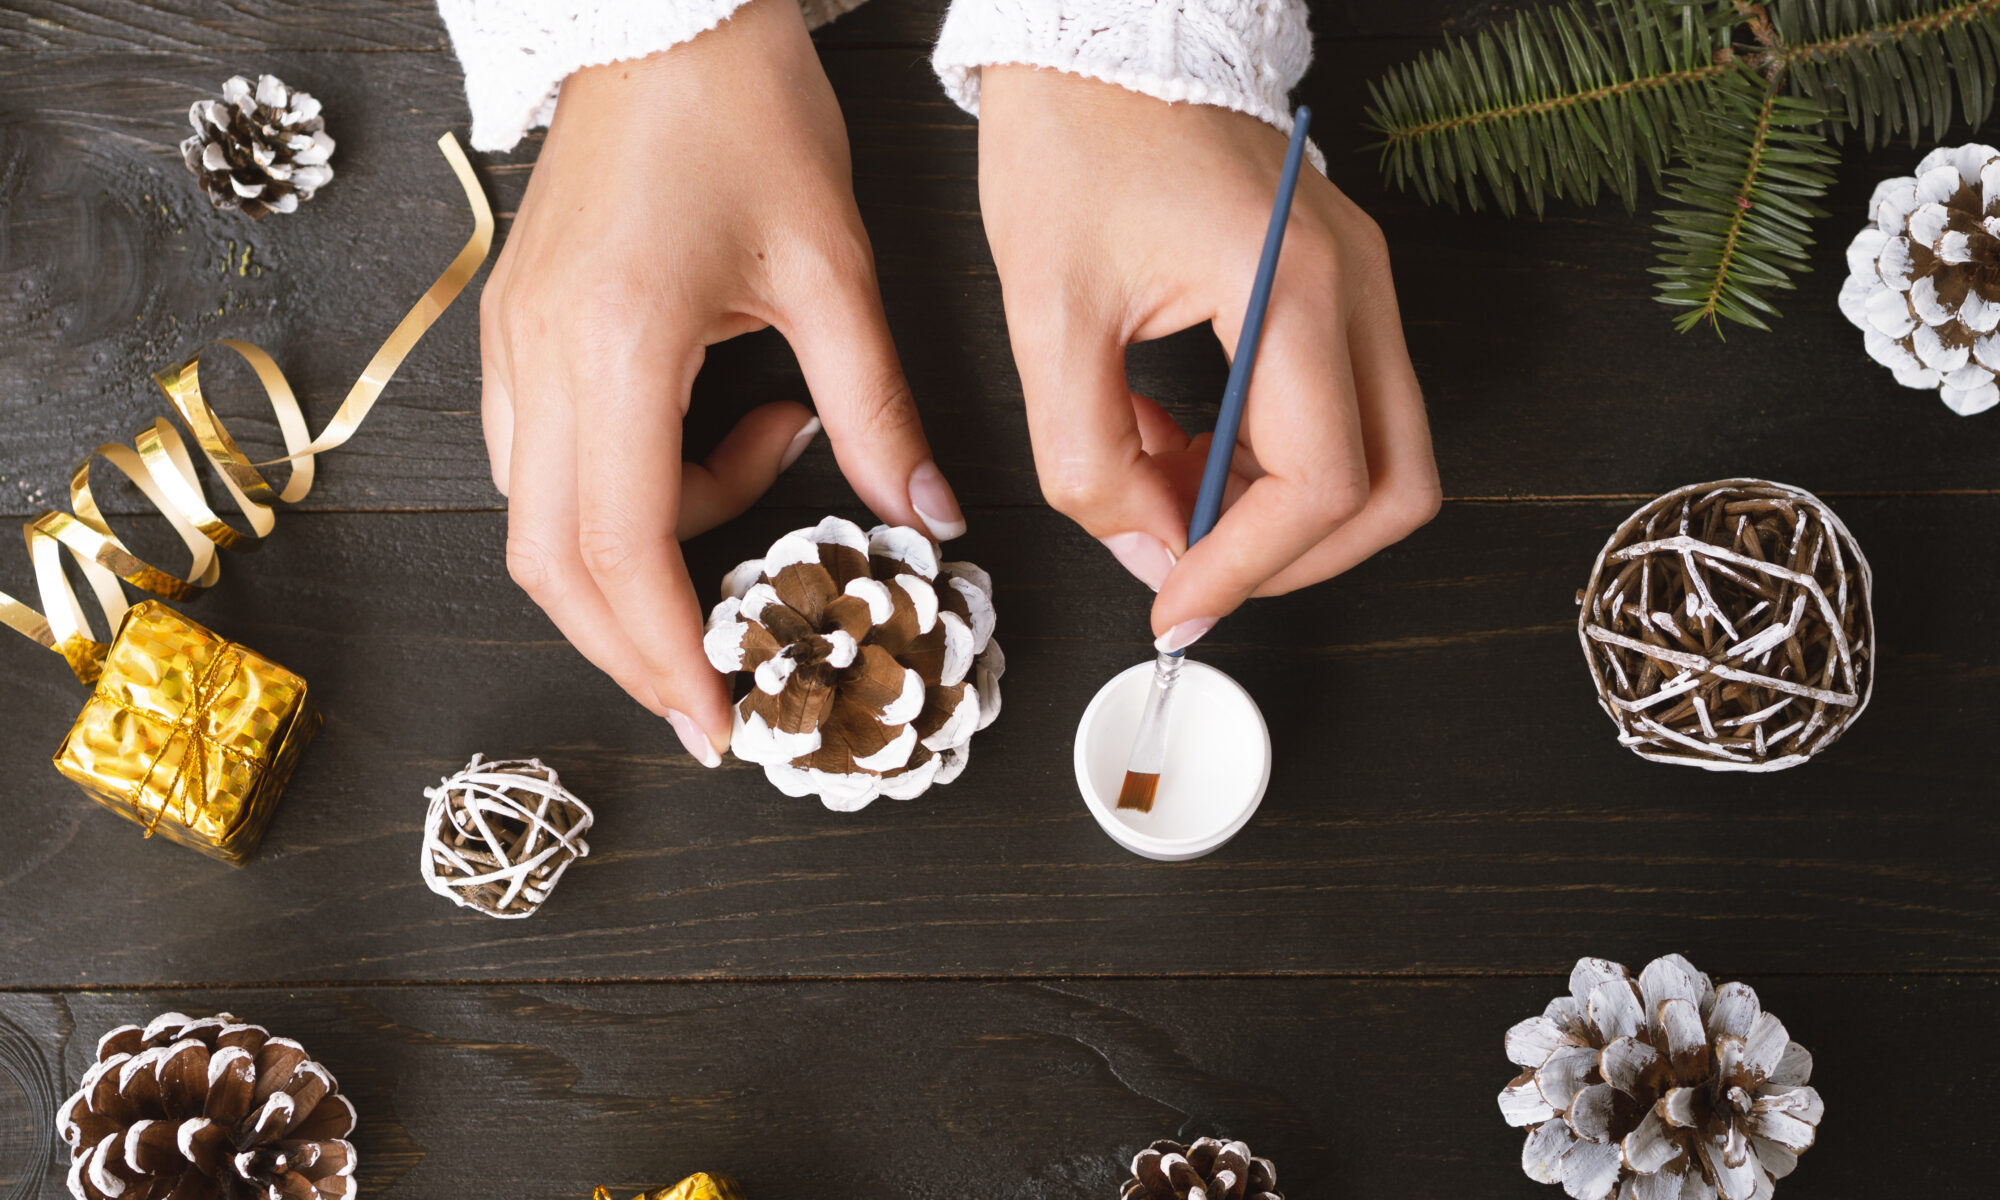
column 1214, row 475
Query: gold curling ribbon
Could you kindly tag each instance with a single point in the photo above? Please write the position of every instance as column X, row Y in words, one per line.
column 159, row 465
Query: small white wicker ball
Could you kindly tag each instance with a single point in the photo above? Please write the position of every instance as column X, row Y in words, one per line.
column 499, row 835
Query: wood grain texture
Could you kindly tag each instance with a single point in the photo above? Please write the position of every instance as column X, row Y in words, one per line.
column 1356, row 1088
column 1446, row 797
column 1548, row 367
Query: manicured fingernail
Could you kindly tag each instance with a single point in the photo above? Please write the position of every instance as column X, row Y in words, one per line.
column 800, row 441
column 1183, row 635
column 931, row 496
column 694, row 739
column 1146, row 556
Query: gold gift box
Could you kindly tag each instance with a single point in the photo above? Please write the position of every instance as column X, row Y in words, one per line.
column 698, row 1186
column 189, row 734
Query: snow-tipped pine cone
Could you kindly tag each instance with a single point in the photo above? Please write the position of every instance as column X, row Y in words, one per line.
column 1660, row 1088
column 1923, row 281
column 872, row 663
column 206, row 1109
column 259, row 149
column 1209, row 1169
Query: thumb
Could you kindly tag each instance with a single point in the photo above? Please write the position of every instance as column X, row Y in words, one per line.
column 849, row 360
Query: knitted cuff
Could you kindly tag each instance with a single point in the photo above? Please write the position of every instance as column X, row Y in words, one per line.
column 516, row 53
column 1245, row 55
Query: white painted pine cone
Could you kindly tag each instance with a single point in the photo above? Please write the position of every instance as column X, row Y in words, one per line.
column 1923, row 280
column 208, row 1107
column 872, row 663
column 260, row 149
column 1660, row 1088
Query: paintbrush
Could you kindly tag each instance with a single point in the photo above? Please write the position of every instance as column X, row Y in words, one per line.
column 1149, row 748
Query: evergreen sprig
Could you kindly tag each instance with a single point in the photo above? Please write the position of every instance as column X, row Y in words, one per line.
column 1752, row 163
column 1582, row 98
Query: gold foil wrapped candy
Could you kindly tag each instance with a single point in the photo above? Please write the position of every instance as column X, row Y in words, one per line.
column 698, row 1186
column 188, row 734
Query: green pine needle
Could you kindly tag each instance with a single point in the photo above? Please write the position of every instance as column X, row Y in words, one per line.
column 1751, row 165
column 1585, row 97
column 1566, row 101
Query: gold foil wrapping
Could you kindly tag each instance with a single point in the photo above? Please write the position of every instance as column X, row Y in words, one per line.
column 698, row 1186
column 188, row 734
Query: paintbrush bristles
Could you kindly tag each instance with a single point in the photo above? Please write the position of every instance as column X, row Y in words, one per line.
column 1137, row 791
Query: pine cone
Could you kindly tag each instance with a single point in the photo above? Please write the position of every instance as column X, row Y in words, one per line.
column 1924, row 280
column 1664, row 1088
column 206, row 1109
column 259, row 151
column 1207, row 1170
column 873, row 664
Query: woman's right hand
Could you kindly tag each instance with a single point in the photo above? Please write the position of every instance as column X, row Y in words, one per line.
column 680, row 200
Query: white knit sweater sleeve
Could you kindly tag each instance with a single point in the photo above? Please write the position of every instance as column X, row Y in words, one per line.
column 516, row 53
column 1241, row 54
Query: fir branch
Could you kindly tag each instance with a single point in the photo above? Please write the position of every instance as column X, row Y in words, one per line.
column 1565, row 101
column 1891, row 66
column 1753, row 163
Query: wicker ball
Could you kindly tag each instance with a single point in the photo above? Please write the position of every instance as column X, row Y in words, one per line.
column 1727, row 626
column 500, row 834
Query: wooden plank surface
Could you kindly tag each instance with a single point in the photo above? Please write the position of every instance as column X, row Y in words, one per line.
column 1356, row 1088
column 1446, row 794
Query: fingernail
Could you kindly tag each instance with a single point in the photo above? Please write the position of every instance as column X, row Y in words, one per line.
column 931, row 496
column 1183, row 635
column 800, row 441
column 1146, row 556
column 694, row 739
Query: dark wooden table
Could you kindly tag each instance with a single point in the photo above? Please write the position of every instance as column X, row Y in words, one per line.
column 976, row 993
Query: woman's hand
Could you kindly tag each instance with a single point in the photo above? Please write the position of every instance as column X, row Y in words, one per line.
column 682, row 199
column 1117, row 218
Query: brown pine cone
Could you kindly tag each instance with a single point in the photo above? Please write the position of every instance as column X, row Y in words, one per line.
column 207, row 1109
column 1207, row 1170
column 258, row 150
column 873, row 664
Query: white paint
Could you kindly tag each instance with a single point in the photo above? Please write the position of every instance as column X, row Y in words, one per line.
column 905, row 708
column 841, row 649
column 875, row 594
column 924, row 598
column 1218, row 762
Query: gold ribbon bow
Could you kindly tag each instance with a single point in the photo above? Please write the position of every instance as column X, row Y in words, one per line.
column 192, row 778
column 159, row 465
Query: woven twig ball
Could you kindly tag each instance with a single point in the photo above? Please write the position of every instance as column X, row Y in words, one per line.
column 500, row 834
column 1727, row 626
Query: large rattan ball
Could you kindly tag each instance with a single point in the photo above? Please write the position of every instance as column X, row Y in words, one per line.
column 1727, row 626
column 499, row 835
